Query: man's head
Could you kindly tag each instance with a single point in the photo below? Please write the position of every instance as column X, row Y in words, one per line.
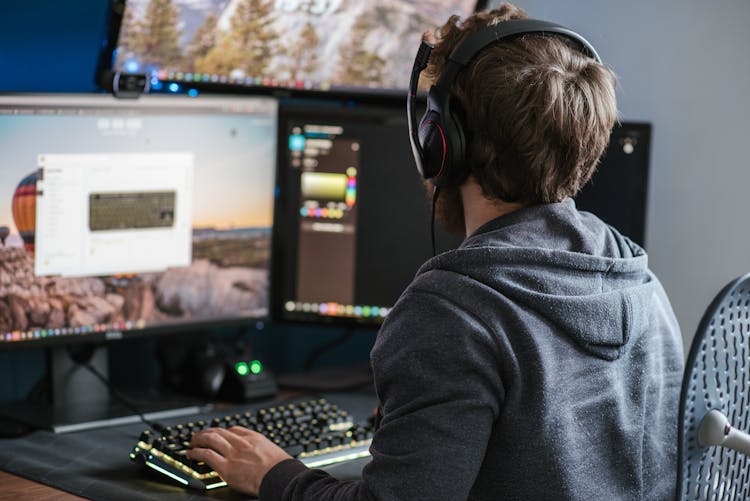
column 538, row 113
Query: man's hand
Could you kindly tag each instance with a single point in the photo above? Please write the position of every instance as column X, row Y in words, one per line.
column 240, row 456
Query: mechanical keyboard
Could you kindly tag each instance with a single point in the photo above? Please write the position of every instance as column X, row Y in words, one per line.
column 316, row 432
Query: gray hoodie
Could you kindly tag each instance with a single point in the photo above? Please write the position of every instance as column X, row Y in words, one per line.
column 539, row 360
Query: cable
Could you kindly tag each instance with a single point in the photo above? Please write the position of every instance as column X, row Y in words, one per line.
column 435, row 195
column 318, row 351
column 151, row 424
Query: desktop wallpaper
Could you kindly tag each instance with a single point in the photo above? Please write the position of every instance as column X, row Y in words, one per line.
column 289, row 43
column 232, row 210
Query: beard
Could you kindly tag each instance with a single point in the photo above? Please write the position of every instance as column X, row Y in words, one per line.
column 449, row 208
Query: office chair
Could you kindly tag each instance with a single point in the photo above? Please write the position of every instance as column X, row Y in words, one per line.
column 713, row 452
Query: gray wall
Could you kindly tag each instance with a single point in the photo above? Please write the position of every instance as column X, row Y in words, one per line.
column 684, row 66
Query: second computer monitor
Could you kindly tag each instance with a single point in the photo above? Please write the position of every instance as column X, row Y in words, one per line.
column 356, row 215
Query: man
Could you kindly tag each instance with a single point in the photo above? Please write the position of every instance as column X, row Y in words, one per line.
column 539, row 360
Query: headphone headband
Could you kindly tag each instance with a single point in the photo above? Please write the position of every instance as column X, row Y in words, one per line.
column 506, row 30
column 440, row 136
column 517, row 27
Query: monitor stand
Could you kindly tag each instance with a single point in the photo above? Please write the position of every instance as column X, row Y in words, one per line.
column 80, row 401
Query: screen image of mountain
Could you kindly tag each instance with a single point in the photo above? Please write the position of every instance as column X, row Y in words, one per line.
column 349, row 44
column 124, row 211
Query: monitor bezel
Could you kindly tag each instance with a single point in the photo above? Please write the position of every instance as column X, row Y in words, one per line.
column 114, row 336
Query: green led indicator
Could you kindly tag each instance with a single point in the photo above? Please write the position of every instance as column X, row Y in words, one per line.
column 242, row 368
column 366, row 311
column 256, row 367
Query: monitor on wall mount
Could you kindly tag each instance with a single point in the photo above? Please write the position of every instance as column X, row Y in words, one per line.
column 310, row 46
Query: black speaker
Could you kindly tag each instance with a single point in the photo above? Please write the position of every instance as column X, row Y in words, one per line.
column 245, row 378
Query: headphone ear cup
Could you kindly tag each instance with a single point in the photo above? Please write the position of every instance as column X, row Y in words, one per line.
column 434, row 143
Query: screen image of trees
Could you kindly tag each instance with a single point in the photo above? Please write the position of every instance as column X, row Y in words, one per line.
column 340, row 42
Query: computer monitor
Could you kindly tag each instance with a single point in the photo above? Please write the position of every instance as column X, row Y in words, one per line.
column 291, row 45
column 618, row 190
column 120, row 218
column 357, row 216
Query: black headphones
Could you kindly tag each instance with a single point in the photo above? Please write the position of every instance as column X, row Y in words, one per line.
column 439, row 142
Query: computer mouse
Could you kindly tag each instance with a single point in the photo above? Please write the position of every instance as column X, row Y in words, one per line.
column 212, row 374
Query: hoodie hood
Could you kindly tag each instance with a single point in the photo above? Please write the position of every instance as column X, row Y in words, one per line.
column 566, row 266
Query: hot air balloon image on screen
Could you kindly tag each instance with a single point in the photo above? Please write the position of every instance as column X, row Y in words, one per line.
column 24, row 210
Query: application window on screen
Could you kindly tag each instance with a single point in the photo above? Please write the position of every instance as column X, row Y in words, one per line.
column 109, row 213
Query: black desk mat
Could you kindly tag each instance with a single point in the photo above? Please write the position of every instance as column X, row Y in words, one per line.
column 95, row 464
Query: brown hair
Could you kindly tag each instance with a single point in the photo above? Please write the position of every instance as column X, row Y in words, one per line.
column 538, row 112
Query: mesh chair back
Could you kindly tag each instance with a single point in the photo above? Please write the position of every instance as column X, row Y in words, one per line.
column 717, row 376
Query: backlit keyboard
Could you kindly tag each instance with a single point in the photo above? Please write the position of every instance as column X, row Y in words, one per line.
column 316, row 432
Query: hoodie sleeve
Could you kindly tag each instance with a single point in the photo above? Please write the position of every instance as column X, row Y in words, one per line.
column 437, row 374
column 437, row 377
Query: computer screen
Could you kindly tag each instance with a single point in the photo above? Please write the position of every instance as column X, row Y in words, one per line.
column 618, row 190
column 310, row 45
column 357, row 216
column 119, row 217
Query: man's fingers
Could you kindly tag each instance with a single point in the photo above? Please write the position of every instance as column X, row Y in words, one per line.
column 216, row 461
column 217, row 439
column 243, row 432
column 239, row 455
column 239, row 437
column 224, row 440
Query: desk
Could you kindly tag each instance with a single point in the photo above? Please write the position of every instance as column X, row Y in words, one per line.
column 95, row 463
column 20, row 488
